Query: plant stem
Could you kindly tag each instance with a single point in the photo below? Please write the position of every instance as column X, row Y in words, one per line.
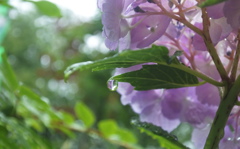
column 178, row 18
column 211, row 49
column 236, row 59
column 223, row 112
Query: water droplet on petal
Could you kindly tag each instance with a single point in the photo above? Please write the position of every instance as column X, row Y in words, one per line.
column 229, row 139
column 112, row 85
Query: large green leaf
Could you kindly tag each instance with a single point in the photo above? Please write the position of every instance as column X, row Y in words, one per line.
column 85, row 114
column 210, row 2
column 47, row 8
column 156, row 54
column 157, row 76
column 165, row 139
column 169, row 73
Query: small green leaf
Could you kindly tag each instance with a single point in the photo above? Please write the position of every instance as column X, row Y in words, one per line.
column 67, row 118
column 210, row 2
column 107, row 127
column 110, row 130
column 77, row 126
column 165, row 139
column 47, row 8
column 85, row 114
column 158, row 76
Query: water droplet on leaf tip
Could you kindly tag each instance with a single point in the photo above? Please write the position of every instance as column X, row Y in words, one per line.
column 112, row 85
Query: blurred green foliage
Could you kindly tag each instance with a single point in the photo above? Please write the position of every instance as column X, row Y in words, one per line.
column 47, row 8
column 41, row 105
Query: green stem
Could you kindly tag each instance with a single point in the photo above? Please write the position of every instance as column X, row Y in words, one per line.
column 236, row 59
column 211, row 49
column 223, row 112
column 180, row 18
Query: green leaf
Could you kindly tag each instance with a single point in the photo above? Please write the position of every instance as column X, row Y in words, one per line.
column 157, row 54
column 85, row 114
column 66, row 117
column 165, row 139
column 111, row 131
column 47, row 8
column 6, row 73
column 210, row 2
column 107, row 127
column 156, row 77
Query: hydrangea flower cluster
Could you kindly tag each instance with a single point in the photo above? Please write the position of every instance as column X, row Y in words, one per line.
column 178, row 25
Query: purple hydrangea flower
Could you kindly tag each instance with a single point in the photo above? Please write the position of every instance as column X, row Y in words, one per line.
column 172, row 102
column 215, row 11
column 137, row 24
column 117, row 22
column 231, row 139
column 145, row 102
column 199, row 136
column 149, row 30
column 115, row 27
column 153, row 114
column 171, row 106
column 231, row 11
column 219, row 29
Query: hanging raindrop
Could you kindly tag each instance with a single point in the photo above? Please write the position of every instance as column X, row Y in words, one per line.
column 112, row 85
